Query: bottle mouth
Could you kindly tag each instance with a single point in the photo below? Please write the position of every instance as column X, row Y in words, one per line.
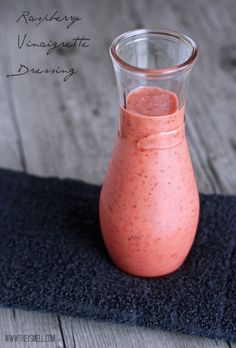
column 154, row 52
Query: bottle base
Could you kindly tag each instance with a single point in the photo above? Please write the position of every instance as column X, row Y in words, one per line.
column 157, row 274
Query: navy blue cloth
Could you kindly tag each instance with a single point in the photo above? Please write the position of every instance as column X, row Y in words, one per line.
column 52, row 258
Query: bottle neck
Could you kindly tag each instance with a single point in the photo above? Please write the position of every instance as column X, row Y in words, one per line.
column 134, row 126
column 152, row 132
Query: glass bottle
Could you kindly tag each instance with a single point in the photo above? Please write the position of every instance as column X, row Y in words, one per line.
column 149, row 203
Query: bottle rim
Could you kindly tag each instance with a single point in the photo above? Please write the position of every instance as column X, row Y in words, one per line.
column 123, row 38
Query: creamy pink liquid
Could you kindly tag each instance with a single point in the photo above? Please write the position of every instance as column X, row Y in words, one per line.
column 149, row 204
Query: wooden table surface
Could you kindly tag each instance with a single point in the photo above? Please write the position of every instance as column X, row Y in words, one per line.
column 66, row 129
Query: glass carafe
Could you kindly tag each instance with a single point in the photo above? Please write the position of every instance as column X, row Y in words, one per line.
column 149, row 203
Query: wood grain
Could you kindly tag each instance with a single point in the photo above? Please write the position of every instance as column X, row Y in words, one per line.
column 89, row 334
column 51, row 127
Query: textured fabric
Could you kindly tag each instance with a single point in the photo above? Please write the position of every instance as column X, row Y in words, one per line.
column 52, row 258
